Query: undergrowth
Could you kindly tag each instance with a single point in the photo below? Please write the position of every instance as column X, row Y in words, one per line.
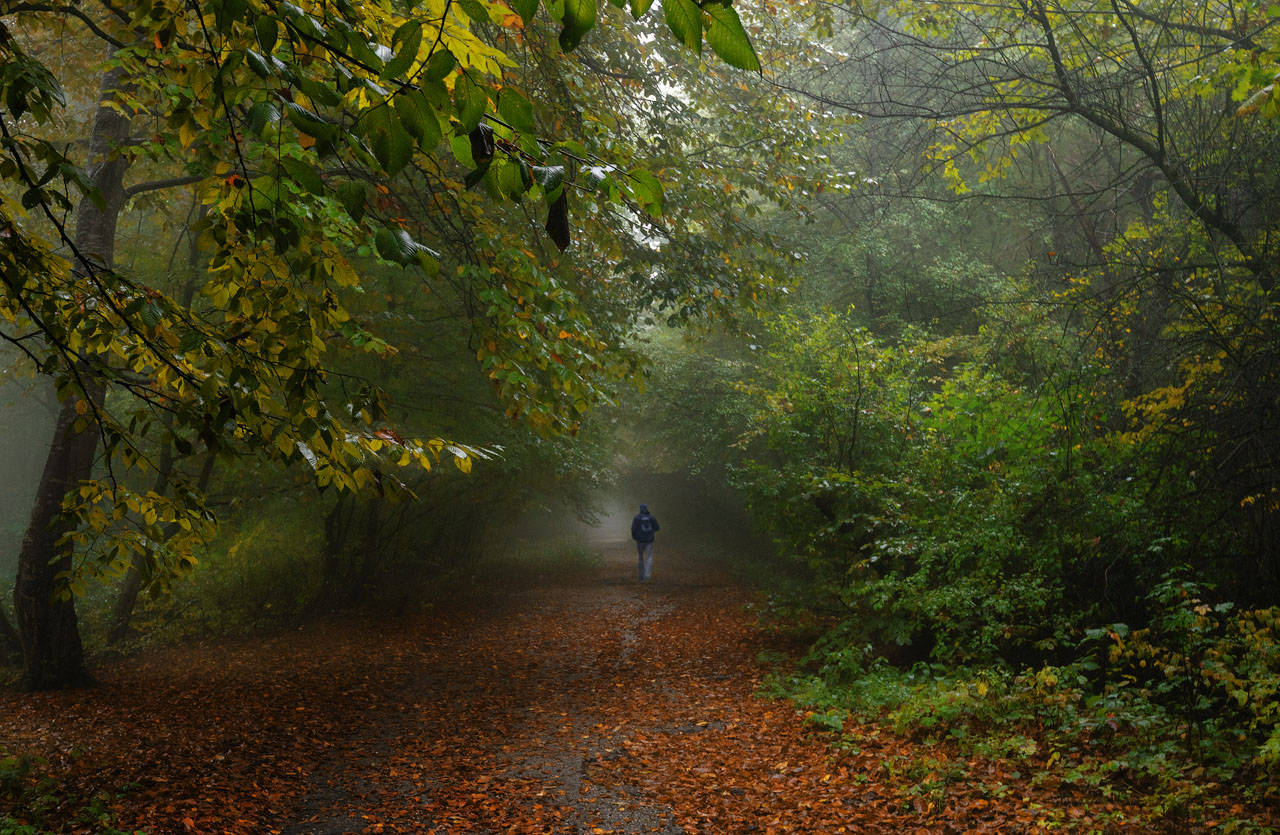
column 1180, row 716
column 32, row 802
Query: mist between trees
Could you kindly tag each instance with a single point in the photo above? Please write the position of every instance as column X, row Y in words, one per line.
column 972, row 308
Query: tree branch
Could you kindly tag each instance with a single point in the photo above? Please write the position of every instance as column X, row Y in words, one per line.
column 156, row 185
column 73, row 12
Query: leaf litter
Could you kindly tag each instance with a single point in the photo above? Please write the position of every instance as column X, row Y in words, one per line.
column 573, row 705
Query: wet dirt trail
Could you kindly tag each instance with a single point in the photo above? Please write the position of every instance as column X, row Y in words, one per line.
column 514, row 717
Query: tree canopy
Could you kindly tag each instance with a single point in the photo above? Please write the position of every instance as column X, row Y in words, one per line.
column 452, row 139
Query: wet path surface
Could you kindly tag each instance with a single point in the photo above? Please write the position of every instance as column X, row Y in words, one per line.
column 508, row 716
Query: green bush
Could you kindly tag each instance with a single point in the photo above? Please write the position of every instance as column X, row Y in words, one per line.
column 264, row 568
column 1214, row 672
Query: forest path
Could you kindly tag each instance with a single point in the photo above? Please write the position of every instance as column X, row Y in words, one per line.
column 514, row 712
column 566, row 704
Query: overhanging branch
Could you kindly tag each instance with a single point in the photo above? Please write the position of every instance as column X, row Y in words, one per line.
column 157, row 185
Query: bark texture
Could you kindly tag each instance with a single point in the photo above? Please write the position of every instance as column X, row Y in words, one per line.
column 52, row 654
column 10, row 643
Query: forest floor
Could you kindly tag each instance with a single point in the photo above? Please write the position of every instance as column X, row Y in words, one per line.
column 582, row 704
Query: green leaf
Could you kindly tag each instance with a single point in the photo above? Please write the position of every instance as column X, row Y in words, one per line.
column 410, row 36
column 579, row 19
column 409, row 113
column 262, row 114
column 728, row 38
column 646, row 189
column 439, row 65
column 310, row 123
column 364, row 53
column 319, row 93
column 352, row 196
column 469, row 102
column 396, row 246
column 516, row 110
column 76, row 174
column 305, row 23
column 573, row 148
column 461, row 148
column 429, row 262
column 474, row 10
column 257, row 63
column 510, row 178
column 268, row 31
column 304, row 174
column 391, row 245
column 594, row 175
column 639, row 7
column 340, row 34
column 151, row 315
column 685, row 22
column 409, row 31
column 550, row 177
column 371, row 119
column 227, row 13
column 418, row 119
column 393, row 148
column 525, row 8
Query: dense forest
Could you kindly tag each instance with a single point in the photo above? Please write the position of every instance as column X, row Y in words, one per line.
column 951, row 328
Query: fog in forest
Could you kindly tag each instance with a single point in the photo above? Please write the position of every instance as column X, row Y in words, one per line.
column 26, row 423
column 698, row 521
column 942, row 339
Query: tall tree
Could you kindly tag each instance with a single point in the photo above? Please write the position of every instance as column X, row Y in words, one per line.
column 51, row 651
column 298, row 125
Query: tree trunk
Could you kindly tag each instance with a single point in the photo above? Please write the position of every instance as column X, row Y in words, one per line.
column 10, row 643
column 52, row 654
column 369, row 547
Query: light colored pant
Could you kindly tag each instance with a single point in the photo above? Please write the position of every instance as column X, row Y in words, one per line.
column 644, row 554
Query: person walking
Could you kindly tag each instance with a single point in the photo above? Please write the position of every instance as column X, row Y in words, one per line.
column 643, row 527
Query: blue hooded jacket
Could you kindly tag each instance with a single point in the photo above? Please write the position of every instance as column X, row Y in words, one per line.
column 644, row 526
